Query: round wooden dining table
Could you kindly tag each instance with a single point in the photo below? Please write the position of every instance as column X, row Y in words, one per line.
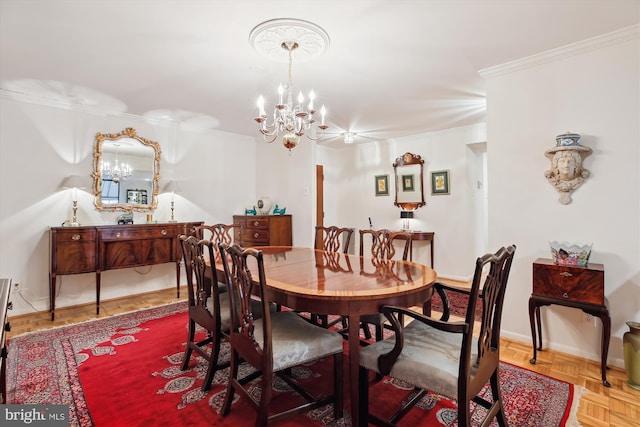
column 319, row 282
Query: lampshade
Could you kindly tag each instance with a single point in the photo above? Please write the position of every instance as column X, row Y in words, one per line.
column 172, row 187
column 74, row 181
column 406, row 214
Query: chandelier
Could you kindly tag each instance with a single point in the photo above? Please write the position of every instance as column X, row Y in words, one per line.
column 118, row 171
column 292, row 117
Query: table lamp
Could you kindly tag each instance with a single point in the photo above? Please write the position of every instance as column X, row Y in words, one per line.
column 406, row 218
column 172, row 187
column 75, row 182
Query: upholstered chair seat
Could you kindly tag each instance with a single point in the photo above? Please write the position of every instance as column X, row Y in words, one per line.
column 296, row 341
column 429, row 358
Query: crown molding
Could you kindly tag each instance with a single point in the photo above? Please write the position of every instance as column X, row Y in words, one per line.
column 583, row 46
column 62, row 104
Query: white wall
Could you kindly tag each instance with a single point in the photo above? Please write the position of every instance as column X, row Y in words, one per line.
column 40, row 145
column 350, row 198
column 289, row 180
column 594, row 92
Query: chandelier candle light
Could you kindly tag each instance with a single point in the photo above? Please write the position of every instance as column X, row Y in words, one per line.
column 291, row 119
column 119, row 170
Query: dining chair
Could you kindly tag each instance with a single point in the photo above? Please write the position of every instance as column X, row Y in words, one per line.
column 216, row 234
column 274, row 343
column 331, row 239
column 385, row 245
column 444, row 356
column 208, row 308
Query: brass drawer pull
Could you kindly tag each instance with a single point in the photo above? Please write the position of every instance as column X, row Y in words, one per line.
column 256, row 235
column 118, row 235
column 565, row 295
column 75, row 237
column 256, row 223
column 163, row 232
column 566, row 274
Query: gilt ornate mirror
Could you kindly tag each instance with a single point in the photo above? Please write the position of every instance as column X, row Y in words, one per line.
column 409, row 187
column 126, row 171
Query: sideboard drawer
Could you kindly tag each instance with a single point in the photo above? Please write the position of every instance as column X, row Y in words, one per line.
column 257, row 222
column 581, row 284
column 116, row 234
column 254, row 237
column 77, row 235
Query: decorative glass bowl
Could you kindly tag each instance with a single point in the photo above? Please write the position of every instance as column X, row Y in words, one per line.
column 570, row 253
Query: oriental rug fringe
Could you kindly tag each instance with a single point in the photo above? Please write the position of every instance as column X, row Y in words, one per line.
column 125, row 371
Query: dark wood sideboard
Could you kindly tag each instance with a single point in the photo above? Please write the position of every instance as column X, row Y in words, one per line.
column 263, row 230
column 94, row 249
column 569, row 286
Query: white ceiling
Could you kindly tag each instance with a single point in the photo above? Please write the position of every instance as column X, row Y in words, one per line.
column 393, row 68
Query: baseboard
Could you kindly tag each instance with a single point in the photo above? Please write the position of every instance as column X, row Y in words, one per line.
column 560, row 348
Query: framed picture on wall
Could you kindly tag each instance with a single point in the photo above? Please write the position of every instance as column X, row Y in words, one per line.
column 440, row 182
column 407, row 183
column 382, row 185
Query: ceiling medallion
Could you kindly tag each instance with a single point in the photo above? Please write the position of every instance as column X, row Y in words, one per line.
column 267, row 39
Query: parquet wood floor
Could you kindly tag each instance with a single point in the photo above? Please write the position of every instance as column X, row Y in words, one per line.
column 600, row 406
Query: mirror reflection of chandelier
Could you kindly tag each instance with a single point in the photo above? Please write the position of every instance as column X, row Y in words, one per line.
column 118, row 171
column 291, row 118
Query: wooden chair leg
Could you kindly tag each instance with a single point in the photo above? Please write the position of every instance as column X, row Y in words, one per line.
column 379, row 333
column 233, row 374
column 265, row 399
column 213, row 364
column 363, row 391
column 187, row 352
column 497, row 397
column 337, row 386
column 367, row 332
column 208, row 378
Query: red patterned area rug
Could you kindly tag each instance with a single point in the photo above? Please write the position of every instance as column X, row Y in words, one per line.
column 125, row 371
column 458, row 304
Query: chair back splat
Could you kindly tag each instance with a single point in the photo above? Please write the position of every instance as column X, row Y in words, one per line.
column 273, row 343
column 216, row 234
column 444, row 356
column 383, row 250
column 382, row 243
column 333, row 239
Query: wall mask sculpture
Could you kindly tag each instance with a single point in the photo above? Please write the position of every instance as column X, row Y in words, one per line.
column 566, row 173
